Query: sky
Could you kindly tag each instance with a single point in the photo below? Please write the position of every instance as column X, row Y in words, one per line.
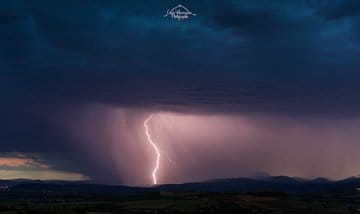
column 242, row 88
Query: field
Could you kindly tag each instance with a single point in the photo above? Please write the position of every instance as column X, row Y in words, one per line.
column 182, row 202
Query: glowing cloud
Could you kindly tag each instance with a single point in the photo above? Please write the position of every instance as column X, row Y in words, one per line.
column 20, row 165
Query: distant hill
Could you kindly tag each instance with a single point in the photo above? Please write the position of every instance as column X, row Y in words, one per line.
column 266, row 183
column 278, row 183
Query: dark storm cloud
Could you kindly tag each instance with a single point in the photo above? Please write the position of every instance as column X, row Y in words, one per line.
column 347, row 8
column 236, row 57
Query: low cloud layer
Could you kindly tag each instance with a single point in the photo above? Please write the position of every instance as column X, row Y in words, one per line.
column 31, row 166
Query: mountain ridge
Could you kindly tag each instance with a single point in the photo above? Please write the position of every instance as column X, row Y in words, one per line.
column 242, row 184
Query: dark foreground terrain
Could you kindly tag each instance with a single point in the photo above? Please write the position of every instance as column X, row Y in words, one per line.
column 270, row 195
column 187, row 202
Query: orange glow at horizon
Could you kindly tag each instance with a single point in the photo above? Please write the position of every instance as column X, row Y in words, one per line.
column 21, row 162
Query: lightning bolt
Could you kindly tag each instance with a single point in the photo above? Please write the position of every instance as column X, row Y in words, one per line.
column 156, row 149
